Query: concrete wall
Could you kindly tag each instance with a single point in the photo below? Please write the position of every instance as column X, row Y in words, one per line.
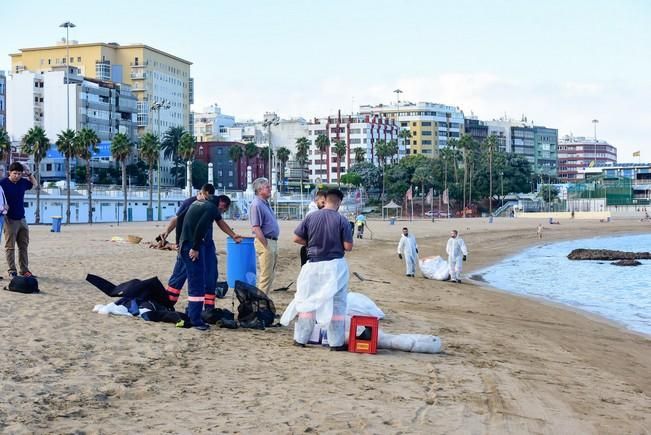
column 593, row 215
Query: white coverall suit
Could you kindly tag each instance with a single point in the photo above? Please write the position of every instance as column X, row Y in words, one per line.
column 456, row 249
column 407, row 247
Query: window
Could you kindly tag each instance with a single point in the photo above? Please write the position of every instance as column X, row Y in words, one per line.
column 426, row 124
column 426, row 133
column 79, row 59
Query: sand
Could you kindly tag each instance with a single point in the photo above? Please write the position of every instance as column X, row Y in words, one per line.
column 511, row 364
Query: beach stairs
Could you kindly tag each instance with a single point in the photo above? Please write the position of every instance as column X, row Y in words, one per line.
column 364, row 343
column 505, row 208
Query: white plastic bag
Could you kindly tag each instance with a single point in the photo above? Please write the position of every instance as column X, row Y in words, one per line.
column 362, row 305
column 434, row 268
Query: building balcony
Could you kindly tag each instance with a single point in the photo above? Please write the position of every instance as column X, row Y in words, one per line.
column 138, row 75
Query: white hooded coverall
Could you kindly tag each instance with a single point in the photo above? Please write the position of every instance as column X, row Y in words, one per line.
column 456, row 249
column 407, row 248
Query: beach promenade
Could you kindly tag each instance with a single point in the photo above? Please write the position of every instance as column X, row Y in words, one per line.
column 510, row 365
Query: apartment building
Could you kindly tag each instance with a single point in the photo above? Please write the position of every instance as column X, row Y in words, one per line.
column 576, row 153
column 356, row 131
column 431, row 125
column 3, row 100
column 211, row 124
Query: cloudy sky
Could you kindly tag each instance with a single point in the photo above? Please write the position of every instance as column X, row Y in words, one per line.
column 559, row 63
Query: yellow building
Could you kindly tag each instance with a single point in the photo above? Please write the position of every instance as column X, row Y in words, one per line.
column 431, row 125
column 154, row 76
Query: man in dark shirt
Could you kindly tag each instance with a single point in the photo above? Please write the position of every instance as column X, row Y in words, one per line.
column 16, row 230
column 177, row 280
column 322, row 285
column 197, row 225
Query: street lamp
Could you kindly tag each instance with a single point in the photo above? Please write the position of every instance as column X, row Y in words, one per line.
column 595, row 122
column 274, row 120
column 502, row 184
column 68, row 25
column 156, row 106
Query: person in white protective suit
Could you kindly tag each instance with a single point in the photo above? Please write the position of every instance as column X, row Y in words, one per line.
column 408, row 249
column 457, row 253
column 322, row 284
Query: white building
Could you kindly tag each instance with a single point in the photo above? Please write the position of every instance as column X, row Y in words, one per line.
column 211, row 124
column 356, row 131
column 3, row 100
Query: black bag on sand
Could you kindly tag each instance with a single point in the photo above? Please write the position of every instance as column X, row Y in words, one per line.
column 215, row 315
column 255, row 309
column 23, row 284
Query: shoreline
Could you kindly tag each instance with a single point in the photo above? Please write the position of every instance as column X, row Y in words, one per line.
column 476, row 278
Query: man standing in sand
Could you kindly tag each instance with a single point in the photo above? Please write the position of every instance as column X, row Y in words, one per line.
column 457, row 252
column 197, row 227
column 408, row 249
column 539, row 231
column 360, row 222
column 316, row 205
column 322, row 285
column 16, row 230
column 266, row 230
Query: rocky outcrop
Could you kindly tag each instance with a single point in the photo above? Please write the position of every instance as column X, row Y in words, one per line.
column 606, row 254
column 626, row 263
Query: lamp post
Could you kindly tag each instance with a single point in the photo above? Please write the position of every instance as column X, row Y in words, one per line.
column 68, row 25
column 502, row 185
column 156, row 106
column 274, row 120
column 595, row 122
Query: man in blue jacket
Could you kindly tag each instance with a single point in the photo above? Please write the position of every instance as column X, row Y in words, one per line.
column 15, row 229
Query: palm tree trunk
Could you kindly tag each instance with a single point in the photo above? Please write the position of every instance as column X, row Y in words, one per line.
column 490, row 182
column 37, row 213
column 422, row 199
column 124, row 189
column 338, row 171
column 90, row 195
column 465, row 180
column 67, row 163
column 151, row 188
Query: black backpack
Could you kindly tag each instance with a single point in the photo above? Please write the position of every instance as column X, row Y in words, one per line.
column 23, row 284
column 254, row 305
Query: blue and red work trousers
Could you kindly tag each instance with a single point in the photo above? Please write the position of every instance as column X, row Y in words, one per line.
column 208, row 257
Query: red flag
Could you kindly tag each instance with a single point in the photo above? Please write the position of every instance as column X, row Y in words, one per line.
column 409, row 194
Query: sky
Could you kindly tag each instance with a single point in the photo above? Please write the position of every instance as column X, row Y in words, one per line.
column 559, row 63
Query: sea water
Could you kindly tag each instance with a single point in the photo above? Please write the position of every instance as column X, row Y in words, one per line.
column 621, row 294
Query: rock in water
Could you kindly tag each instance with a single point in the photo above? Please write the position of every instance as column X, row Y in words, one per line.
column 626, row 263
column 606, row 254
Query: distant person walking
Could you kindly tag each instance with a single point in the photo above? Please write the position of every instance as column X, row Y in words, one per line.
column 322, row 285
column 539, row 231
column 16, row 230
column 266, row 230
column 457, row 253
column 408, row 250
column 360, row 223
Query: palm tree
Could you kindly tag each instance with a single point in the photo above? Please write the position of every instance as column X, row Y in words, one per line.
column 405, row 135
column 149, row 153
column 490, row 144
column 422, row 175
column 86, row 145
column 467, row 146
column 5, row 147
column 187, row 145
column 340, row 150
column 36, row 144
column 360, row 154
column 283, row 156
column 67, row 147
column 170, row 147
column 120, row 150
column 266, row 155
column 301, row 155
column 322, row 143
column 250, row 151
column 392, row 150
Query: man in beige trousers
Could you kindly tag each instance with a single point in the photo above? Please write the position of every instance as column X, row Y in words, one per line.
column 266, row 230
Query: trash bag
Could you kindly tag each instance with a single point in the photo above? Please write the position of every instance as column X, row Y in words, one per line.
column 434, row 268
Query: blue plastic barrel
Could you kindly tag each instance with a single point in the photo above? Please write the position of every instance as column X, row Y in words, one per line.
column 56, row 224
column 240, row 261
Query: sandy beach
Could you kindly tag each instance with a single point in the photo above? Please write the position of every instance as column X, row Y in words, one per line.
column 510, row 365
